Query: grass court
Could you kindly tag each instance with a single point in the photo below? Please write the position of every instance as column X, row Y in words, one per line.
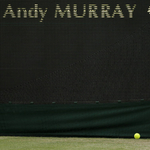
column 54, row 143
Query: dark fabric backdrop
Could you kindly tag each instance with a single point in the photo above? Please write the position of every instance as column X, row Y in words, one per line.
column 86, row 120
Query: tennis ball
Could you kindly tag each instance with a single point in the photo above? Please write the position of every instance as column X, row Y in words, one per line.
column 136, row 135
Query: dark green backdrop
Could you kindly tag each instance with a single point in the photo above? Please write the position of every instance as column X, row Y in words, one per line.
column 96, row 120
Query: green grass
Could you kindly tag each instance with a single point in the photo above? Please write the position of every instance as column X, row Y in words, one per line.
column 48, row 143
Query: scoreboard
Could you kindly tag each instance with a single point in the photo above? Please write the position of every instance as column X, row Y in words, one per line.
column 79, row 50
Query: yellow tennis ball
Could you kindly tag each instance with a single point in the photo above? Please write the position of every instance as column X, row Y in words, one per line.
column 136, row 135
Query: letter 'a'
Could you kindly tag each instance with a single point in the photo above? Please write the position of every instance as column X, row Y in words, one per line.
column 9, row 11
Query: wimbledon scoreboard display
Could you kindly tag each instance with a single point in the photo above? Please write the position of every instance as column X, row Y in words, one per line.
column 80, row 50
